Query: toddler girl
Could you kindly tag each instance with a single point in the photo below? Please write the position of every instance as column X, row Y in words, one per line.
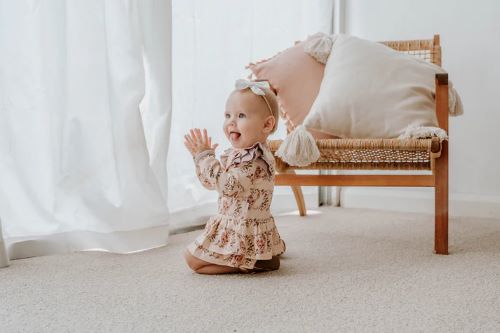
column 242, row 237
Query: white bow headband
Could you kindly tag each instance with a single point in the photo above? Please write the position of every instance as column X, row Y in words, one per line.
column 256, row 87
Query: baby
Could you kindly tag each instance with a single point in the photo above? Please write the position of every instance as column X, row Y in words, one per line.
column 242, row 237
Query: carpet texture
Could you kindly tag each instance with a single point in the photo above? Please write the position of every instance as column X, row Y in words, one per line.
column 344, row 270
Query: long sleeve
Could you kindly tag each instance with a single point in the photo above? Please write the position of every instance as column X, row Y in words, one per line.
column 208, row 169
column 212, row 175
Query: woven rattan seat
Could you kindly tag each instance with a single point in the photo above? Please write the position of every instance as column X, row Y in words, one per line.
column 386, row 154
column 370, row 154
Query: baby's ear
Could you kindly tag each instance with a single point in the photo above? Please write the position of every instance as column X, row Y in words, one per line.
column 269, row 124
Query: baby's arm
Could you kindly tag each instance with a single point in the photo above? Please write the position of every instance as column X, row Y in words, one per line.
column 232, row 181
column 208, row 168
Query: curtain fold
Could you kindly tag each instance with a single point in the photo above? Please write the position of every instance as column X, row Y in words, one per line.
column 82, row 162
column 88, row 92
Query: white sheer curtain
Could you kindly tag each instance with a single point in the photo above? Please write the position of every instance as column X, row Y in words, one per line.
column 85, row 110
column 81, row 165
column 212, row 42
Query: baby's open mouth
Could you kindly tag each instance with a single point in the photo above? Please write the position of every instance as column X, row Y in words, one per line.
column 234, row 136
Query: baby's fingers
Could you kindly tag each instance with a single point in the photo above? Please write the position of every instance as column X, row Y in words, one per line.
column 189, row 147
column 205, row 136
column 188, row 138
column 199, row 136
column 193, row 135
column 188, row 143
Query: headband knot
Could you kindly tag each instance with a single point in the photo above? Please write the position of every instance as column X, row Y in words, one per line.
column 255, row 86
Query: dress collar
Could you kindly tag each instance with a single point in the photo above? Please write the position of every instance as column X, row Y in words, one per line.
column 236, row 156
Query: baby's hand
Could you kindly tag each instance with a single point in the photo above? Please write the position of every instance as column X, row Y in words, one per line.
column 197, row 141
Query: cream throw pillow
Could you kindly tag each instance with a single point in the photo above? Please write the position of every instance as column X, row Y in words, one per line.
column 371, row 91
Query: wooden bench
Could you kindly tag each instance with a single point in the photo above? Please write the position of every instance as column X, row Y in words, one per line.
column 386, row 154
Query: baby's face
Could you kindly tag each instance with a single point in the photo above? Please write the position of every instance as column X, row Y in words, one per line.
column 245, row 119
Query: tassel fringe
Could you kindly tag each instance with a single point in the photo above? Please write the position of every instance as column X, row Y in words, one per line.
column 422, row 132
column 299, row 148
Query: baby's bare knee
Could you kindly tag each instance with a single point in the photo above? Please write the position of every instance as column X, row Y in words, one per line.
column 193, row 262
column 189, row 260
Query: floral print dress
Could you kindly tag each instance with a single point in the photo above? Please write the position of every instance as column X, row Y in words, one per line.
column 243, row 231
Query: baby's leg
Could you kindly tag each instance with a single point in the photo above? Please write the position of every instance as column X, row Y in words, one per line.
column 203, row 267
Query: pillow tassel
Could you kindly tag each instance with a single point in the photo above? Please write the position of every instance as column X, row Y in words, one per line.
column 423, row 132
column 299, row 148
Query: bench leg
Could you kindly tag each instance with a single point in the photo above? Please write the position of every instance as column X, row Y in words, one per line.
column 299, row 197
column 441, row 201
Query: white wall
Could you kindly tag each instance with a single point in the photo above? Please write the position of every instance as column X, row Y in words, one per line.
column 470, row 39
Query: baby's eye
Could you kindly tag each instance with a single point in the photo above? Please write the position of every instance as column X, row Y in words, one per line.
column 227, row 116
column 242, row 115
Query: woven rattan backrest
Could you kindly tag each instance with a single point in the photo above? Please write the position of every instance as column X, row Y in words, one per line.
column 426, row 49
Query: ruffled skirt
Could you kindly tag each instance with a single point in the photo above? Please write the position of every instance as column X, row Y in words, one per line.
column 237, row 243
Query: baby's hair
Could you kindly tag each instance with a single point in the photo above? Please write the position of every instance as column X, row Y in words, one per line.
column 272, row 103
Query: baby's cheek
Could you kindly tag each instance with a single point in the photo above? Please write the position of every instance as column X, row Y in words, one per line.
column 249, row 128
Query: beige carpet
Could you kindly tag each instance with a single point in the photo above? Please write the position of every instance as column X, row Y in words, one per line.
column 345, row 270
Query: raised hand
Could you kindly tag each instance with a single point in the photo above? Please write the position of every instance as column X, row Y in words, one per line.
column 197, row 141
